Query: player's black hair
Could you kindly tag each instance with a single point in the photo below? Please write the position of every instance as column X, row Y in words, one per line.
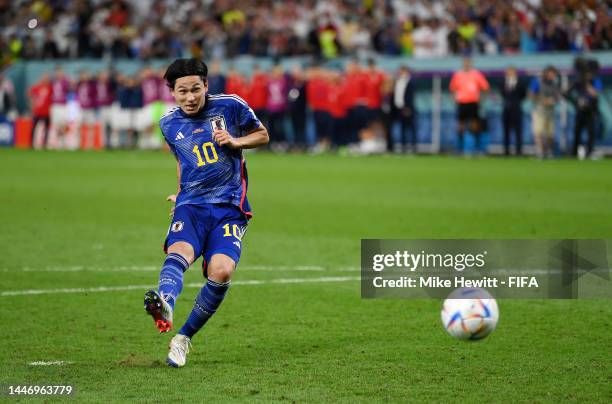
column 185, row 67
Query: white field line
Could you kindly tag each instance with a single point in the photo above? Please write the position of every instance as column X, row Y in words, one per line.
column 153, row 268
column 50, row 363
column 99, row 289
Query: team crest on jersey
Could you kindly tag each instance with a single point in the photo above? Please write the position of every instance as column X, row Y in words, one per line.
column 177, row 226
column 218, row 123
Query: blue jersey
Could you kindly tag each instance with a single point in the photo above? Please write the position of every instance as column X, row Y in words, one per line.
column 210, row 173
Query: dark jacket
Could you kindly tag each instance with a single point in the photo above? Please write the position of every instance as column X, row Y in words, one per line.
column 514, row 97
column 408, row 97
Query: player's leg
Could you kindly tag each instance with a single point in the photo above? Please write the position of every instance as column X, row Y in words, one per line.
column 179, row 258
column 537, row 128
column 222, row 253
column 208, row 300
column 578, row 126
column 591, row 126
column 220, row 269
column 550, row 135
column 461, row 127
column 182, row 243
column 518, row 132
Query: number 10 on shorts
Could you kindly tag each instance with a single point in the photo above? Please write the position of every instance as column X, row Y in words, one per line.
column 236, row 231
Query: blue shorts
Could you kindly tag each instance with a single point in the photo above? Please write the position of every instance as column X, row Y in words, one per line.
column 210, row 229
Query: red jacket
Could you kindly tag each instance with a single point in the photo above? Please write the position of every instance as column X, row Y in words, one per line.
column 317, row 90
column 40, row 95
column 374, row 91
column 337, row 106
column 235, row 84
column 355, row 93
column 258, row 91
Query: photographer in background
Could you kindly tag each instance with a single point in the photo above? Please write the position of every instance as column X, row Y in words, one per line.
column 545, row 93
column 584, row 95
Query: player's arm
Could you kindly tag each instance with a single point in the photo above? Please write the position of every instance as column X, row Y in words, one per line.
column 484, row 84
column 257, row 137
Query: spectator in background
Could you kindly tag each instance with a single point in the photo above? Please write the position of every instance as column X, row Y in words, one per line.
column 119, row 121
column 29, row 50
column 236, row 84
column 403, row 112
column 297, row 107
column 423, row 41
column 164, row 93
column 430, row 39
column 40, row 99
column 7, row 98
column 528, row 42
column 374, row 86
column 545, row 93
column 49, row 48
column 149, row 87
column 338, row 110
column 86, row 97
column 584, row 94
column 216, row 79
column 355, row 99
column 60, row 87
column 129, row 94
column 277, row 106
column 513, row 92
column 320, row 28
column 104, row 101
column 328, row 38
column 467, row 85
column 258, row 93
column 317, row 97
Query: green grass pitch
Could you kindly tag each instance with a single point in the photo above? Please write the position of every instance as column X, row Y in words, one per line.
column 89, row 220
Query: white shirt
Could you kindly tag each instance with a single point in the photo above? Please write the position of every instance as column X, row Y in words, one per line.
column 400, row 90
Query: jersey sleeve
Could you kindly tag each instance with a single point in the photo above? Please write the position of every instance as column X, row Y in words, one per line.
column 246, row 118
column 164, row 130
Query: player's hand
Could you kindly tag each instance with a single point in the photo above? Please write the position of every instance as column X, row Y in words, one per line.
column 172, row 198
column 223, row 138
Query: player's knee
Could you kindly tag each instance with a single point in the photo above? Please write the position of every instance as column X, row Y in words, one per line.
column 220, row 268
column 184, row 249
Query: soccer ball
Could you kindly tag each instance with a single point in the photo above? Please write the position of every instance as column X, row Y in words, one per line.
column 470, row 314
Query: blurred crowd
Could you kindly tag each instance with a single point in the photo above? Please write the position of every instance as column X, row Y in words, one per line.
column 358, row 108
column 216, row 29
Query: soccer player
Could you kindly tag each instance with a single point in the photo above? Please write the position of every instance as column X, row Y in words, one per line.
column 206, row 133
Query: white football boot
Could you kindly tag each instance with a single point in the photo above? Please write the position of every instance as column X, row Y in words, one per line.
column 179, row 348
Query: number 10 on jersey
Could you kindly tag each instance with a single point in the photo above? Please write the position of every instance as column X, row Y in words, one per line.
column 209, row 152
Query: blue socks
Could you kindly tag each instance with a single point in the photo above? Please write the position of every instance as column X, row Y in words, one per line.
column 206, row 304
column 171, row 277
column 207, row 301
